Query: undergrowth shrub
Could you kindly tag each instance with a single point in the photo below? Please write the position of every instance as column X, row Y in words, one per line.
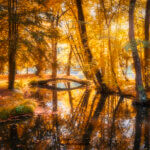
column 26, row 106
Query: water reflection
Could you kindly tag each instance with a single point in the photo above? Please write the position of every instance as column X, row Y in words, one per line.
column 79, row 119
column 142, row 118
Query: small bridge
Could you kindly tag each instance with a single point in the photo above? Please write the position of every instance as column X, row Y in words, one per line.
column 45, row 83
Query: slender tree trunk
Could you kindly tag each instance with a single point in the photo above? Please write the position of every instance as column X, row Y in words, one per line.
column 54, row 72
column 140, row 92
column 69, row 61
column 84, row 41
column 12, row 37
column 39, row 70
column 147, row 46
column 54, row 67
column 83, row 32
column 68, row 74
column 54, row 55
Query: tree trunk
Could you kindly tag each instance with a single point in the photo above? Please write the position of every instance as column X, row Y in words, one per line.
column 54, row 67
column 83, row 32
column 54, row 72
column 12, row 38
column 140, row 92
column 84, row 41
column 39, row 70
column 147, row 46
column 54, row 55
column 68, row 74
column 69, row 62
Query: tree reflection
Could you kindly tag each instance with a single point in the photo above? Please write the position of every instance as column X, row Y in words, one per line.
column 97, row 121
column 142, row 118
column 147, row 129
column 112, row 129
column 79, row 115
column 90, row 127
column 56, row 138
column 14, row 140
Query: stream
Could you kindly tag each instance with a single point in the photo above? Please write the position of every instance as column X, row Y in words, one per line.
column 80, row 119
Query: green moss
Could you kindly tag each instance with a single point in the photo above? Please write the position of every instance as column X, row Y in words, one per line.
column 23, row 107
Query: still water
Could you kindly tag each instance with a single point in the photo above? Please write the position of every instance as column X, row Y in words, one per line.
column 80, row 119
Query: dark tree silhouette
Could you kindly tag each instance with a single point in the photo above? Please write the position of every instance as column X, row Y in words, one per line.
column 12, row 38
column 137, row 64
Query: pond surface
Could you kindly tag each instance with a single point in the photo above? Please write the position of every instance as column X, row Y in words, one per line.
column 81, row 119
column 65, row 84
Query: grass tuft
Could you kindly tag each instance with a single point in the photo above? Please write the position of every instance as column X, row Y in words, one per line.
column 22, row 109
column 24, row 106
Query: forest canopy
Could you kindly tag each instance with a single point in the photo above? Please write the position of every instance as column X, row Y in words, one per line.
column 106, row 40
